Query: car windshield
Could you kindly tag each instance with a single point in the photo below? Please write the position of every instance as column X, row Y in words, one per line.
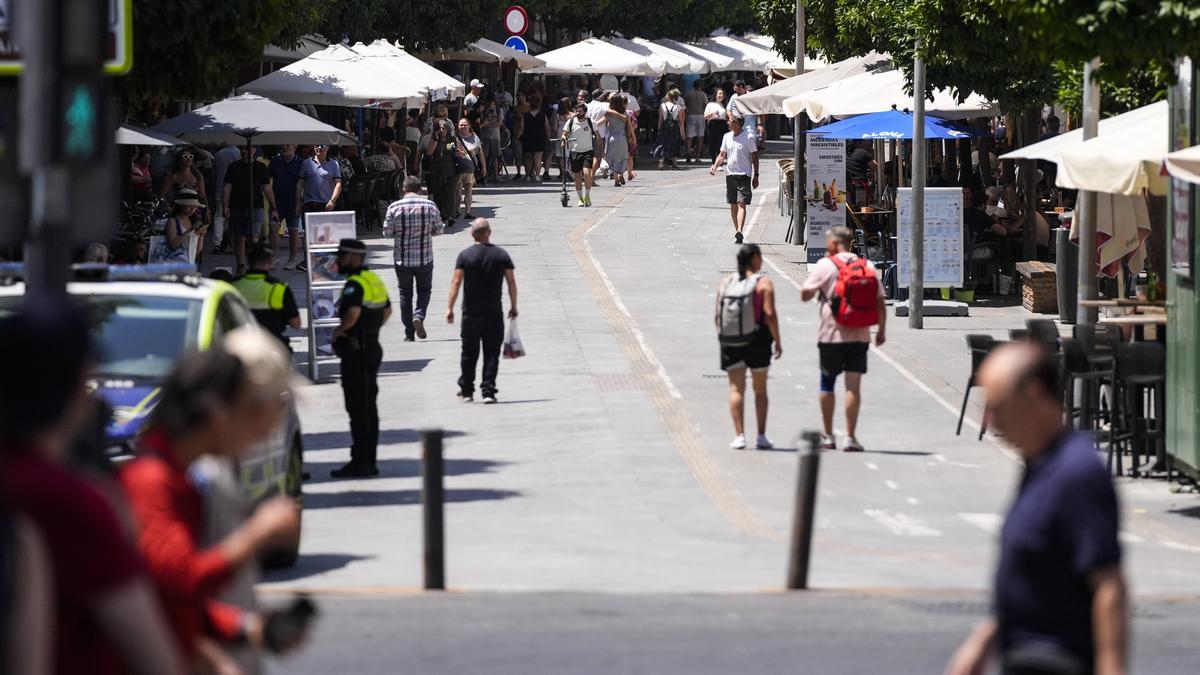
column 135, row 336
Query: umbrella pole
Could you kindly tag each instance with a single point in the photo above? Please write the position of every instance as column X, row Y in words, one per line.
column 1087, row 199
column 916, row 281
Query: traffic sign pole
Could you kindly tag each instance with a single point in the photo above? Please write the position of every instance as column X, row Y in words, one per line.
column 65, row 134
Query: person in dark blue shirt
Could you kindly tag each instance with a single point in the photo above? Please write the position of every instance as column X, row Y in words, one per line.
column 1059, row 600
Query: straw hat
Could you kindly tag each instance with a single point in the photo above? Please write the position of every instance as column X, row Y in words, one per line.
column 187, row 197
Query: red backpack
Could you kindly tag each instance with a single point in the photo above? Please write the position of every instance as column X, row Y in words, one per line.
column 855, row 294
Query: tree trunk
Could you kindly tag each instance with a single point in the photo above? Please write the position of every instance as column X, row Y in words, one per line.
column 1156, row 243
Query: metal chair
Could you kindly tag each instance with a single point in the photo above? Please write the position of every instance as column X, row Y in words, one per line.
column 980, row 346
column 1140, row 371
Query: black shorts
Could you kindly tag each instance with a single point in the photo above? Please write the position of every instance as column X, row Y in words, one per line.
column 737, row 189
column 843, row 357
column 582, row 159
column 755, row 356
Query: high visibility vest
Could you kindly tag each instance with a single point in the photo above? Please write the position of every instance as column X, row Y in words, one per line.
column 259, row 293
column 374, row 292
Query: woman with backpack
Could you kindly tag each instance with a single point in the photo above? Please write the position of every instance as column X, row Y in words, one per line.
column 747, row 325
column 670, row 129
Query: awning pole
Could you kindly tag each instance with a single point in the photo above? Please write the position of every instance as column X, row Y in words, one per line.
column 916, row 280
column 799, row 124
column 1087, row 199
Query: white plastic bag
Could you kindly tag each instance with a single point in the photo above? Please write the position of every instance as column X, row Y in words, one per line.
column 513, row 349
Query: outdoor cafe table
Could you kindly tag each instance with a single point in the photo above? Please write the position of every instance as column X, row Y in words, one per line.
column 1139, row 322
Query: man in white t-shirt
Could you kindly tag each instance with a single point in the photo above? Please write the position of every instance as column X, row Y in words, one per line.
column 741, row 177
column 221, row 161
column 473, row 96
column 843, row 349
column 751, row 121
column 631, row 101
column 581, row 138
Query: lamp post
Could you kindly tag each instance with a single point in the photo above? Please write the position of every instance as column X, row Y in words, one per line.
column 916, row 281
column 799, row 203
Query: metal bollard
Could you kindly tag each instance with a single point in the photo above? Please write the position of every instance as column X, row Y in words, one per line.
column 432, row 501
column 802, row 517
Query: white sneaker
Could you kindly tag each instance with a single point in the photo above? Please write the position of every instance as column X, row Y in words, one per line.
column 739, row 443
column 763, row 443
column 828, row 442
column 852, row 445
column 489, row 399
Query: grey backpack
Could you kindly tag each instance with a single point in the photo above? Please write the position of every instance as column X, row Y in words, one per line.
column 737, row 324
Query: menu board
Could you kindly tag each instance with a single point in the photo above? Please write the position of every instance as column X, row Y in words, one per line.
column 944, row 250
column 323, row 231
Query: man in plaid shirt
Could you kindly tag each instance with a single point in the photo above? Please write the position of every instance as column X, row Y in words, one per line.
column 412, row 222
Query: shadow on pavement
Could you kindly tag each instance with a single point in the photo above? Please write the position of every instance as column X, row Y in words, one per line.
column 524, row 400
column 404, row 366
column 899, row 453
column 333, row 440
column 1189, row 512
column 352, row 498
column 310, row 564
column 405, row 468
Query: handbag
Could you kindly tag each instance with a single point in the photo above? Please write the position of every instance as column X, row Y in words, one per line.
column 161, row 251
column 463, row 165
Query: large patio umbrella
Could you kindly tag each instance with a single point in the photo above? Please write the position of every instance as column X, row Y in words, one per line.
column 596, row 56
column 128, row 135
column 744, row 56
column 1124, row 160
column 251, row 119
column 769, row 100
column 1052, row 147
column 877, row 91
column 771, row 58
column 1185, row 164
column 340, row 76
column 402, row 63
column 484, row 50
column 717, row 61
column 891, row 125
column 677, row 61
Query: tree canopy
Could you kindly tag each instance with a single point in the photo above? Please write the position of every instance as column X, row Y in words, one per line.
column 964, row 42
column 677, row 19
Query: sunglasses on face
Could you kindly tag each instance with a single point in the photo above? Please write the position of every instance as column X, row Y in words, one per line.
column 186, row 155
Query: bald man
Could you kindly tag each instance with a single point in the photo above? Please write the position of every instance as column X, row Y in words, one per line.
column 1059, row 597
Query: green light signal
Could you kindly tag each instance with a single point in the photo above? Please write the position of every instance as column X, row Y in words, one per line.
column 81, row 124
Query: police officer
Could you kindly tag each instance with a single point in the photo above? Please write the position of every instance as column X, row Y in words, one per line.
column 363, row 309
column 269, row 299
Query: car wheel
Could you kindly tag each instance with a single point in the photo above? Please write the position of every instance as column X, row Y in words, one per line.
column 294, row 488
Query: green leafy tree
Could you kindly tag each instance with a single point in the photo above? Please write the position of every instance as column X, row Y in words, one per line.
column 191, row 50
column 964, row 43
column 420, row 25
column 676, row 19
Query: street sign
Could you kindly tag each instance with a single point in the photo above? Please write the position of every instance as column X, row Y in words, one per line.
column 516, row 20
column 517, row 42
column 118, row 49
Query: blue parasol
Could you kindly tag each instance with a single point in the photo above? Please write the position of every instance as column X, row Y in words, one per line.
column 891, row 125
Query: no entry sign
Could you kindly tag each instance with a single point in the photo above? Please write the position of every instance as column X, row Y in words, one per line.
column 516, row 20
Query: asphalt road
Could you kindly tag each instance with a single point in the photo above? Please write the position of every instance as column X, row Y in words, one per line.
column 593, row 634
column 606, row 469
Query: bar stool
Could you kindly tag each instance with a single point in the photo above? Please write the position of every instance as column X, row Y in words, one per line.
column 980, row 346
column 1043, row 332
column 1089, row 359
column 1140, row 369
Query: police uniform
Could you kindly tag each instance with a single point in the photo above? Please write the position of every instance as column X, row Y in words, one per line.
column 361, row 355
column 270, row 300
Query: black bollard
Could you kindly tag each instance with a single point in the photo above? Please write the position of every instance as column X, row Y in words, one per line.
column 432, row 501
column 806, row 505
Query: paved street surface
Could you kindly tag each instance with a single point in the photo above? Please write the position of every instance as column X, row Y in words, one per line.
column 606, row 469
column 588, row 634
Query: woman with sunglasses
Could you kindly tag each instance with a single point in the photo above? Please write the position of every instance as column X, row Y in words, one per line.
column 472, row 146
column 184, row 174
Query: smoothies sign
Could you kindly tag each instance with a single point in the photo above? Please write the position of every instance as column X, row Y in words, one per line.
column 825, row 192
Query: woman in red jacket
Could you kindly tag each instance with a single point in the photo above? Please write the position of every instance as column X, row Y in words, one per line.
column 219, row 404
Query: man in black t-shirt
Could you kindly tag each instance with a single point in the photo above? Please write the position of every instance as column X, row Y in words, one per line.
column 859, row 166
column 480, row 270
column 241, row 211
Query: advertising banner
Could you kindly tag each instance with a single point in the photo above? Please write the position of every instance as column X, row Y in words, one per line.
column 825, row 192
